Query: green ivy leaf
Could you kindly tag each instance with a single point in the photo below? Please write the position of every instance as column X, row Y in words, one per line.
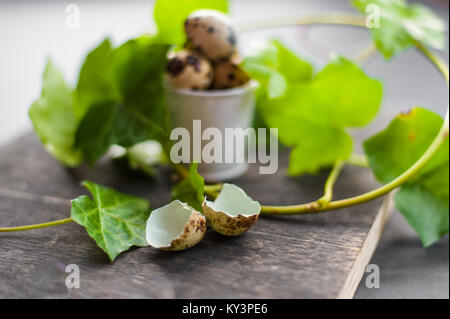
column 341, row 95
column 424, row 201
column 54, row 119
column 397, row 148
column 424, row 211
column 170, row 15
column 96, row 81
column 114, row 220
column 312, row 116
column 327, row 146
column 401, row 26
column 96, row 131
column 139, row 66
column 135, row 110
column 275, row 67
column 190, row 190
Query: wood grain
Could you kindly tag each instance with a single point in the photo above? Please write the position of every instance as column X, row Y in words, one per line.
column 315, row 256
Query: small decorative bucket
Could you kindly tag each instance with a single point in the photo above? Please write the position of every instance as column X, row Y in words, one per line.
column 221, row 109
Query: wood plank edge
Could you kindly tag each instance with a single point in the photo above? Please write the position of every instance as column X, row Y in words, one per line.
column 367, row 250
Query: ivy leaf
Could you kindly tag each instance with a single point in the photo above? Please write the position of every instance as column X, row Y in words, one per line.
column 96, row 131
column 190, row 190
column 96, row 81
column 170, row 15
column 401, row 26
column 139, row 66
column 54, row 119
column 137, row 111
column 397, row 148
column 114, row 220
column 274, row 66
column 327, row 146
column 312, row 116
column 424, row 211
column 424, row 200
column 341, row 95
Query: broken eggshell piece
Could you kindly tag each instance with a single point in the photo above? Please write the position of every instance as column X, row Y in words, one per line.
column 175, row 226
column 233, row 212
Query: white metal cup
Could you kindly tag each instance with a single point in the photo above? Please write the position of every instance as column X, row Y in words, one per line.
column 221, row 109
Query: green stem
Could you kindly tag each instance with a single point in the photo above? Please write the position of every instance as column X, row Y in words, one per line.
column 36, row 226
column 331, row 180
column 327, row 18
column 315, row 207
column 366, row 53
column 213, row 190
column 438, row 62
column 325, row 203
column 358, row 160
column 180, row 169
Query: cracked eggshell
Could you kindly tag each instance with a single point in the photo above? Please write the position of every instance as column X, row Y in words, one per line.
column 175, row 226
column 211, row 33
column 233, row 212
column 189, row 70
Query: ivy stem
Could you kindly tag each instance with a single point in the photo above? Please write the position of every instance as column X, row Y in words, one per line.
column 354, row 159
column 315, row 207
column 324, row 203
column 213, row 190
column 366, row 54
column 36, row 226
column 358, row 160
column 438, row 62
column 331, row 180
column 327, row 18
column 180, row 169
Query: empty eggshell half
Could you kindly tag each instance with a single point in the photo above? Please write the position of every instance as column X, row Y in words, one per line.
column 233, row 212
column 175, row 226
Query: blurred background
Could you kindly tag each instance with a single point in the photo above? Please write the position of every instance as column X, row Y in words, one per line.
column 31, row 31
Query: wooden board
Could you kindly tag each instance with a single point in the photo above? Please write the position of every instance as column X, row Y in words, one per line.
column 320, row 256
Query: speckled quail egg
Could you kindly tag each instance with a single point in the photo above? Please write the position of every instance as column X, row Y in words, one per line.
column 189, row 70
column 228, row 75
column 210, row 33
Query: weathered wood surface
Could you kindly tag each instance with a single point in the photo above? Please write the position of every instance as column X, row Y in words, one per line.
column 281, row 257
